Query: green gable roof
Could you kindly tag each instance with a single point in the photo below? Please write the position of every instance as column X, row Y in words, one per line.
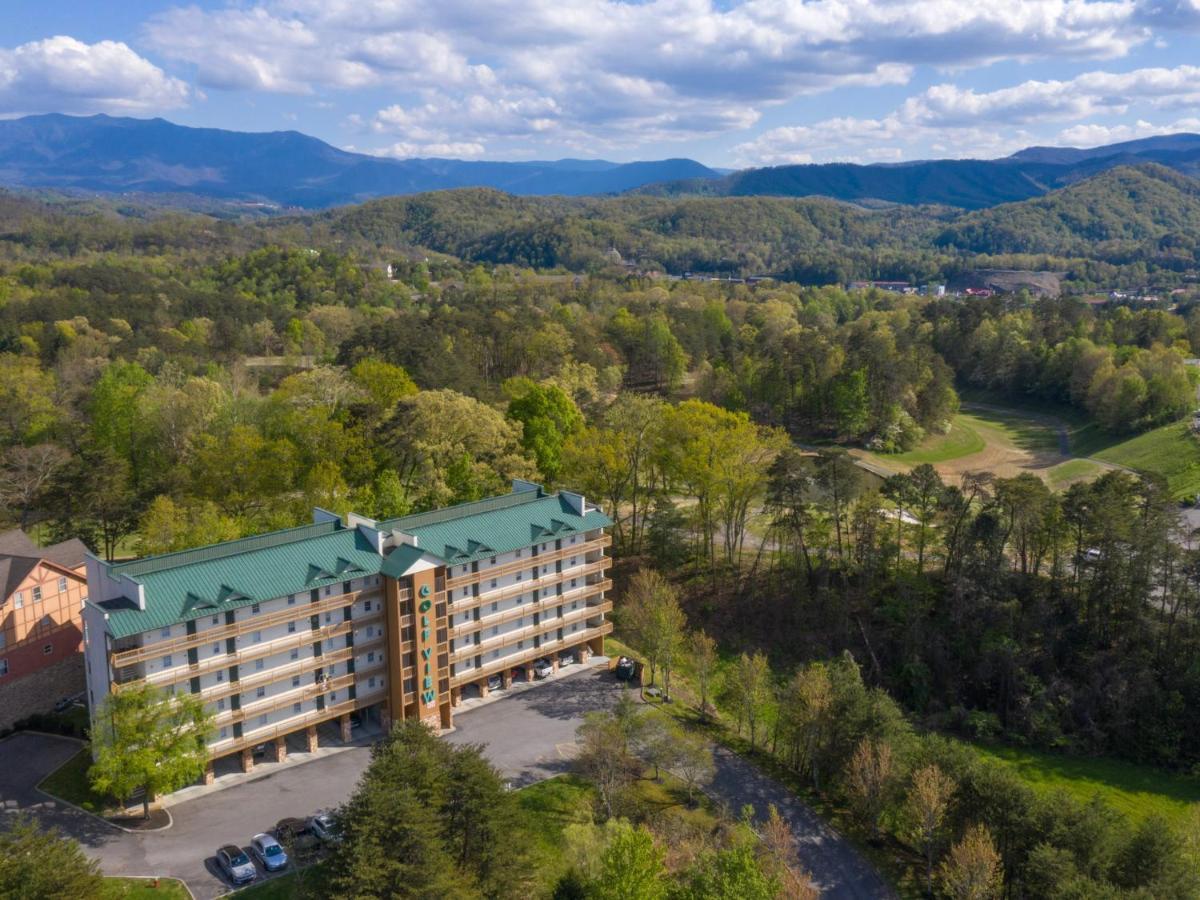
column 207, row 581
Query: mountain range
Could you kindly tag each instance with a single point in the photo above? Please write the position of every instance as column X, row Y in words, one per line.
column 290, row 169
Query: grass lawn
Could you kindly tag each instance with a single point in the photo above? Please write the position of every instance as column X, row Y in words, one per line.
column 1135, row 791
column 961, row 440
column 1169, row 451
column 70, row 782
column 281, row 887
column 549, row 807
column 1071, row 471
column 142, row 889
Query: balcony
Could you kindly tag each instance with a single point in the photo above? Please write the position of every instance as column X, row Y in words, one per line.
column 502, row 640
column 517, row 565
column 122, row 658
column 527, row 656
column 186, row 671
column 525, row 609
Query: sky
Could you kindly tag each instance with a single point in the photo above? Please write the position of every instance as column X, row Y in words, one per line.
column 729, row 83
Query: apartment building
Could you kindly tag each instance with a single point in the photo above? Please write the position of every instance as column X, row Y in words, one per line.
column 43, row 591
column 282, row 632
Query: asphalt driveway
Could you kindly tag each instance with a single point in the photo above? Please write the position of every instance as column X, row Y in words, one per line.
column 529, row 735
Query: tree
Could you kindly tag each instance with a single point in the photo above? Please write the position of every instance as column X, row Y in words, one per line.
column 869, row 778
column 656, row 622
column 972, row 870
column 144, row 739
column 548, row 417
column 692, row 761
column 927, row 801
column 703, row 659
column 631, row 867
column 782, row 859
column 732, row 872
column 428, row 819
column 605, row 759
column 25, row 474
column 38, row 864
column 807, row 708
column 383, row 382
column 748, row 688
column 167, row 526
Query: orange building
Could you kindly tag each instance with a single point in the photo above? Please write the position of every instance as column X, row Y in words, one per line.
column 41, row 633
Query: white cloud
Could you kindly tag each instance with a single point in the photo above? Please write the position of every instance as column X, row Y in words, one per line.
column 62, row 74
column 610, row 73
column 961, row 122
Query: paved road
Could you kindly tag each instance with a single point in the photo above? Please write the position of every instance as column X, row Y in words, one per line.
column 529, row 736
column 835, row 865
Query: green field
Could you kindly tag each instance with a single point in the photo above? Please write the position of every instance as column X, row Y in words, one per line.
column 961, row 440
column 1133, row 790
column 1170, row 451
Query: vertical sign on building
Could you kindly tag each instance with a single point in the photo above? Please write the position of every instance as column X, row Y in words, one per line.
column 425, row 632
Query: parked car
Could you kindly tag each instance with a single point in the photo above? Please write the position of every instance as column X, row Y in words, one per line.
column 355, row 720
column 625, row 669
column 296, row 834
column 236, row 865
column 495, row 682
column 268, row 851
column 543, row 668
column 325, row 829
column 565, row 659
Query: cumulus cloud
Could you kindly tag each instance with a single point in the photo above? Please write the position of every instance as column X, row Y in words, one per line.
column 62, row 74
column 607, row 72
column 964, row 122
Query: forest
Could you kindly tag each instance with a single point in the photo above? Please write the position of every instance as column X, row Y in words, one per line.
column 169, row 379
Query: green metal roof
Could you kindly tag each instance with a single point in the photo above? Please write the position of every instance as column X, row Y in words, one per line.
column 207, row 581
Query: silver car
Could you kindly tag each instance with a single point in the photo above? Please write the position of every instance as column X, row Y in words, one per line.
column 269, row 852
column 236, row 865
column 543, row 668
column 323, row 826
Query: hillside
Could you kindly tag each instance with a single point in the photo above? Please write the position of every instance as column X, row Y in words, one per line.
column 102, row 153
column 1109, row 215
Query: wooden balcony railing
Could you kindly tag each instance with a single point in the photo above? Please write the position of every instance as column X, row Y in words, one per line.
column 292, row 724
column 525, row 562
column 525, row 609
column 298, row 611
column 501, row 640
column 517, row 660
column 538, row 582
column 301, row 638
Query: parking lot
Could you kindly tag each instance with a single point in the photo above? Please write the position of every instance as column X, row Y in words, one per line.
column 528, row 735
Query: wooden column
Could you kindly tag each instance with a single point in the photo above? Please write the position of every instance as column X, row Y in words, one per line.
column 280, row 748
column 247, row 759
column 209, row 775
column 346, row 729
column 311, row 734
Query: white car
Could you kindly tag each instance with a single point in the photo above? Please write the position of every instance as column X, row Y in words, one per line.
column 269, row 852
column 323, row 826
column 543, row 668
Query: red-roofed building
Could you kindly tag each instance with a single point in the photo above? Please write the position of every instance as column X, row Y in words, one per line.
column 42, row 592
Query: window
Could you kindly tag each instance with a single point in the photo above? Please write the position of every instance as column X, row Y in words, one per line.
column 3, row 667
column 254, row 609
column 166, row 661
column 291, row 599
column 295, row 654
column 262, row 720
column 366, row 606
column 19, row 600
column 517, row 555
column 370, row 631
column 62, row 585
column 216, row 620
column 220, row 675
column 216, row 649
column 3, row 639
column 291, row 627
column 166, row 632
column 296, row 707
column 47, row 649
column 328, row 589
column 328, row 643
column 573, row 581
column 495, row 654
column 371, row 657
column 495, row 607
column 328, row 617
column 221, row 703
column 333, row 697
column 371, row 682
column 224, row 733
column 333, row 669
column 493, row 560
column 256, row 637
column 467, row 591
column 495, row 629
column 260, row 692
column 295, row 681
column 493, row 582
column 37, row 593
column 520, row 645
column 463, row 570
column 258, row 665
column 517, row 577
